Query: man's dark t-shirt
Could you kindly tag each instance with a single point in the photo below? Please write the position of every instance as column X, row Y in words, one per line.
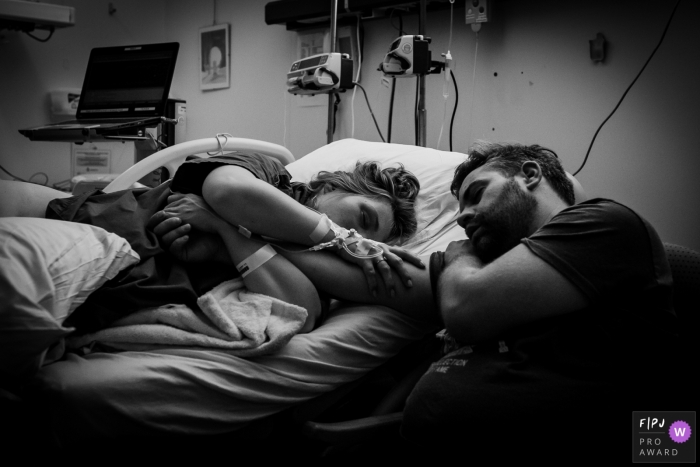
column 560, row 377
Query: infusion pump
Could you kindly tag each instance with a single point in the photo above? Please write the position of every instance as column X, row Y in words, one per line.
column 322, row 73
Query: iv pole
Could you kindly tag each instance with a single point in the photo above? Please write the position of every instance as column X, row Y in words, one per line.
column 331, row 95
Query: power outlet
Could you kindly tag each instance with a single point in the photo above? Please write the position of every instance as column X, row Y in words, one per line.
column 477, row 11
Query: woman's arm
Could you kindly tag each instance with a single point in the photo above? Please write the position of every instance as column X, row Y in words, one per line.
column 325, row 270
column 242, row 199
column 276, row 278
column 269, row 204
column 346, row 282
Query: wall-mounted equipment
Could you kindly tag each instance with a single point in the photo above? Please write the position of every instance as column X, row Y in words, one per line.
column 597, row 48
column 477, row 11
column 409, row 56
column 320, row 74
column 27, row 16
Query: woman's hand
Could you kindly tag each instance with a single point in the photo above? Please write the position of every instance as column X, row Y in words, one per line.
column 391, row 260
column 180, row 239
column 185, row 244
column 192, row 209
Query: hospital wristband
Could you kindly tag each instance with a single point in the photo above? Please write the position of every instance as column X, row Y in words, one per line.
column 254, row 261
column 322, row 228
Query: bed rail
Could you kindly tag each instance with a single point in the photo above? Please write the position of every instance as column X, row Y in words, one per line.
column 172, row 157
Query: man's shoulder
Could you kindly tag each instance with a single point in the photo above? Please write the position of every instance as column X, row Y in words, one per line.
column 600, row 211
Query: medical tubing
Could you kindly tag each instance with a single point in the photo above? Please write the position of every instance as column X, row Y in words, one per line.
column 445, row 94
column 357, row 79
column 449, row 43
column 668, row 23
column 471, row 111
column 370, row 110
column 442, row 125
column 445, row 85
column 340, row 241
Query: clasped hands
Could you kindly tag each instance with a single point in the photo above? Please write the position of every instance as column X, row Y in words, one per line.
column 189, row 229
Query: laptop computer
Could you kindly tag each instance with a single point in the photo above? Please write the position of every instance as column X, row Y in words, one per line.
column 125, row 89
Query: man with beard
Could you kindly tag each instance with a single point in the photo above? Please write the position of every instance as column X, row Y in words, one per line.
column 559, row 314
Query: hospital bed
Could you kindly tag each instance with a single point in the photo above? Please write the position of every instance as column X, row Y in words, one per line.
column 193, row 392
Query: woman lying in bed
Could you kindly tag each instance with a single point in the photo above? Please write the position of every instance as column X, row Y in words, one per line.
column 378, row 204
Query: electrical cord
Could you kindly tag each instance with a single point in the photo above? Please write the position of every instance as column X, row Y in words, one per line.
column 415, row 112
column 336, row 103
column 668, row 23
column 391, row 21
column 393, row 79
column 391, row 109
column 158, row 143
column 46, row 177
column 454, row 110
column 370, row 110
column 51, row 30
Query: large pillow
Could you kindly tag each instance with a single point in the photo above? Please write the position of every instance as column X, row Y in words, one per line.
column 436, row 208
column 47, row 269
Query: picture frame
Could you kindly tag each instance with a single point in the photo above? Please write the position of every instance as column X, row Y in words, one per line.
column 215, row 57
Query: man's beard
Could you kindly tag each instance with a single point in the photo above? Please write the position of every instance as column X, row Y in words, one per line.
column 504, row 223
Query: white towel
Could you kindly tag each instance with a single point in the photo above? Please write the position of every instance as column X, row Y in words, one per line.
column 231, row 318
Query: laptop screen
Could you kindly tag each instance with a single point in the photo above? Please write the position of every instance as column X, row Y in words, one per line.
column 128, row 81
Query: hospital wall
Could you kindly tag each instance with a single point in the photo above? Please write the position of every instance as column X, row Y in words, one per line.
column 526, row 77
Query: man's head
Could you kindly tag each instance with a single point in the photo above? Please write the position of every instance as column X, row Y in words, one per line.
column 500, row 188
column 378, row 203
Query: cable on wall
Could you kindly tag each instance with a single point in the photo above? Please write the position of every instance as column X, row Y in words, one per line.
column 454, row 110
column 391, row 109
column 14, row 177
column 393, row 80
column 370, row 111
column 415, row 113
column 45, row 39
column 663, row 35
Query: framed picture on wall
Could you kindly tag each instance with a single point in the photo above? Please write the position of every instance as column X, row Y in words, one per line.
column 214, row 57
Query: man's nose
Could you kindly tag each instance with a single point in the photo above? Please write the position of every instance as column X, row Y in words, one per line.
column 464, row 216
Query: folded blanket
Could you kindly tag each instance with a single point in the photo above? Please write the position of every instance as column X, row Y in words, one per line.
column 230, row 318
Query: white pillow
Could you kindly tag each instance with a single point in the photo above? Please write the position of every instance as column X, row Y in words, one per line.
column 436, row 208
column 47, row 269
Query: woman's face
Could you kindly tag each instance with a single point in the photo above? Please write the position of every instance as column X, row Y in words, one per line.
column 370, row 217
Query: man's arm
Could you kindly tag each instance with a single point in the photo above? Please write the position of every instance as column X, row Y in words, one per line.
column 478, row 301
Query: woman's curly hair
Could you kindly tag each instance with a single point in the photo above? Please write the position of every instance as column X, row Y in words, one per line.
column 395, row 184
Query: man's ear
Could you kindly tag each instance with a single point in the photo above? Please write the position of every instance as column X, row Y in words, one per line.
column 532, row 172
